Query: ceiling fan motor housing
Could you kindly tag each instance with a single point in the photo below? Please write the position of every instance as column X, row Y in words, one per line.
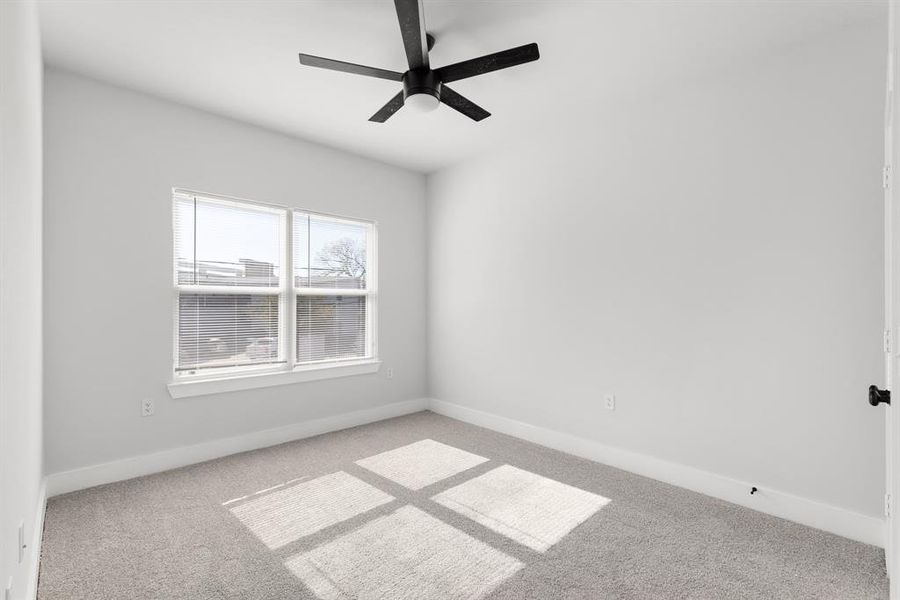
column 421, row 81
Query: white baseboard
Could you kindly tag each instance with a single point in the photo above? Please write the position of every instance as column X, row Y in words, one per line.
column 34, row 547
column 77, row 479
column 840, row 521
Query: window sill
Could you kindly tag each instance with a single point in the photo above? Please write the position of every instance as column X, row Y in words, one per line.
column 202, row 387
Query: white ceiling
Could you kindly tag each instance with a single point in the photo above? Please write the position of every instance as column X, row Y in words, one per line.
column 239, row 58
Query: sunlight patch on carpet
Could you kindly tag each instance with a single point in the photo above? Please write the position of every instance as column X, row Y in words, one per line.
column 528, row 508
column 407, row 554
column 420, row 464
column 280, row 517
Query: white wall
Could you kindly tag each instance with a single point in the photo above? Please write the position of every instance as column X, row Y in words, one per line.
column 21, row 468
column 112, row 157
column 712, row 255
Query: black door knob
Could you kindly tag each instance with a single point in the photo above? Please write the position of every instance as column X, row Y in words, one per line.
column 877, row 396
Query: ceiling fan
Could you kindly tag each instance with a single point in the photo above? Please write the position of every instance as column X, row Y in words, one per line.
column 425, row 88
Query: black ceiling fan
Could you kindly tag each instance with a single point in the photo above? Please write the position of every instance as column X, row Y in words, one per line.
column 424, row 87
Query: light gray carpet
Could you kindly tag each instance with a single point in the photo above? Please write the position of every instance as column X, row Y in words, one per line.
column 303, row 520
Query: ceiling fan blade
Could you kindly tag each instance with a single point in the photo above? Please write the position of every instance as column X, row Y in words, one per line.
column 488, row 63
column 385, row 112
column 463, row 104
column 345, row 67
column 411, row 15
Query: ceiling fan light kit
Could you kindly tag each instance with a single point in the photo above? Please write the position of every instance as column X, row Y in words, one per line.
column 421, row 90
column 423, row 87
column 422, row 102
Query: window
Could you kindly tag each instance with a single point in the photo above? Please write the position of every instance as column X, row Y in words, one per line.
column 265, row 289
column 330, row 280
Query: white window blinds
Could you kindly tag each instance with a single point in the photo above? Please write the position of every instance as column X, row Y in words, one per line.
column 236, row 307
column 227, row 330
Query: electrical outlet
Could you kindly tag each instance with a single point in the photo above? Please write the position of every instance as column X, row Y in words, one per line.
column 147, row 407
column 21, row 541
column 390, row 373
column 610, row 400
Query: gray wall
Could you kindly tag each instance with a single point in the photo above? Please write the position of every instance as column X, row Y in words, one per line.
column 21, row 458
column 112, row 158
column 711, row 254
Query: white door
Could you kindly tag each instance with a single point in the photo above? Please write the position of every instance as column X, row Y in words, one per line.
column 891, row 300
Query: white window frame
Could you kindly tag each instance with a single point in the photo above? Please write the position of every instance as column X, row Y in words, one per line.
column 187, row 384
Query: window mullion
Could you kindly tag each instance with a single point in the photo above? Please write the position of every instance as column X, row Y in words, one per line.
column 289, row 301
